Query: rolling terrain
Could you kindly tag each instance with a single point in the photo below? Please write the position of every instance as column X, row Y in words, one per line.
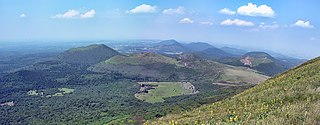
column 97, row 85
column 182, row 68
column 290, row 98
column 263, row 62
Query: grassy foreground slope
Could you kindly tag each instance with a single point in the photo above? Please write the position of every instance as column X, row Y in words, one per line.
column 290, row 98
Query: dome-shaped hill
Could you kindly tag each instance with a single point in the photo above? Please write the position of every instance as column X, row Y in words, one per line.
column 198, row 46
column 290, row 98
column 88, row 55
column 263, row 62
column 253, row 59
column 169, row 42
column 258, row 55
column 170, row 47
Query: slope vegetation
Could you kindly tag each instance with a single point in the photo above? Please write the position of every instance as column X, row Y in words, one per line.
column 88, row 55
column 182, row 68
column 264, row 62
column 198, row 46
column 290, row 98
column 65, row 92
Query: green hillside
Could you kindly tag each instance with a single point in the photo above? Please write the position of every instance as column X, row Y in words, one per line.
column 154, row 92
column 170, row 46
column 258, row 58
column 88, row 55
column 290, row 98
column 264, row 63
column 156, row 67
column 198, row 46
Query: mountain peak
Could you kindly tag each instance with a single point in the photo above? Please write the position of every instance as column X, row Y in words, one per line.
column 199, row 46
column 169, row 42
column 88, row 54
column 85, row 48
column 258, row 54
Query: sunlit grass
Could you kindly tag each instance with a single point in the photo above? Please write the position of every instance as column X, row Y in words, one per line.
column 164, row 90
column 290, row 98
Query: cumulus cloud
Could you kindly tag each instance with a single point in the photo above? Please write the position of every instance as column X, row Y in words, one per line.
column 206, row 23
column 186, row 20
column 68, row 14
column 227, row 11
column 88, row 14
column 236, row 22
column 179, row 10
column 303, row 24
column 23, row 15
column 71, row 14
column 144, row 8
column 254, row 10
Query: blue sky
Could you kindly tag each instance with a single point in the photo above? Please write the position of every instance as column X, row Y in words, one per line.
column 286, row 26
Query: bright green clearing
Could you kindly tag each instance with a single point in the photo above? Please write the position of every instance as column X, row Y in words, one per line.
column 165, row 90
column 238, row 75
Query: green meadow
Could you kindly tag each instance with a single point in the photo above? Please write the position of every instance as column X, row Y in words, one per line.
column 164, row 90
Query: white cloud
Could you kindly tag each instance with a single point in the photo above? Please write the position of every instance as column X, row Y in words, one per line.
column 303, row 24
column 144, row 8
column 23, row 15
column 271, row 26
column 69, row 14
column 254, row 10
column 206, row 23
column 236, row 22
column 186, row 20
column 89, row 14
column 227, row 11
column 179, row 10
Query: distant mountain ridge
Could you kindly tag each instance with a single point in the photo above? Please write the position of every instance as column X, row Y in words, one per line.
column 260, row 61
column 168, row 42
column 234, row 51
column 169, row 47
column 198, row 46
column 215, row 53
